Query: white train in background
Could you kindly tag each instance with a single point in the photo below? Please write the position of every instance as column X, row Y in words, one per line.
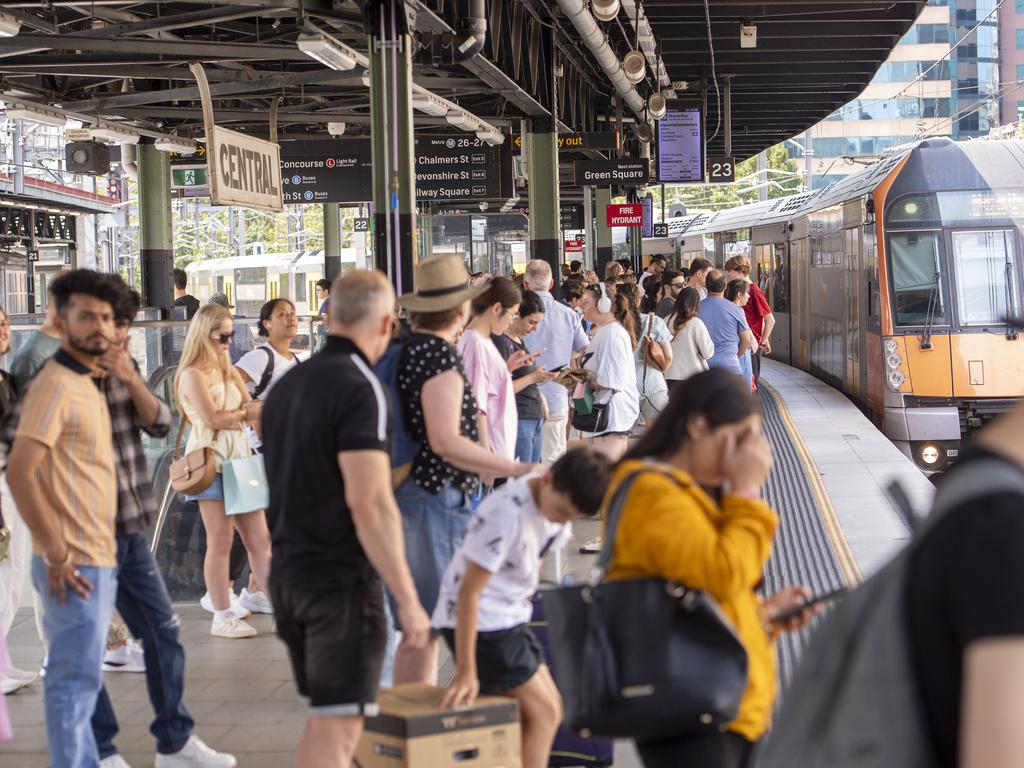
column 250, row 281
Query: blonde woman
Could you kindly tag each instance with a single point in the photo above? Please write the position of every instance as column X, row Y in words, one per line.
column 213, row 397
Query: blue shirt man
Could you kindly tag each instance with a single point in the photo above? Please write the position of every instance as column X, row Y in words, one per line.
column 726, row 324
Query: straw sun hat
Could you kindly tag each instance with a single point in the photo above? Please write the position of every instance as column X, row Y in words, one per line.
column 441, row 284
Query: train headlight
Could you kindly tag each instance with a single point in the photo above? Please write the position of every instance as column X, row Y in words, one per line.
column 930, row 454
column 895, row 379
column 893, row 360
column 891, row 345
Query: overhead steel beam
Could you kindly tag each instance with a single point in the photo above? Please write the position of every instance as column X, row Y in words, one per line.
column 182, row 21
column 194, row 48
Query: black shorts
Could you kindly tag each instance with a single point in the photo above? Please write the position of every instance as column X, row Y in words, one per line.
column 336, row 640
column 505, row 659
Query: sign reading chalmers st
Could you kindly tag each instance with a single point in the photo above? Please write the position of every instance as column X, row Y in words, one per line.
column 603, row 172
column 244, row 171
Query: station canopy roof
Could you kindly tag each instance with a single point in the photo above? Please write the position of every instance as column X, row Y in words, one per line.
column 126, row 63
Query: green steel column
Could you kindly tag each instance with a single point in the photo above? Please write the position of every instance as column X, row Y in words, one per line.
column 156, row 236
column 542, row 171
column 603, row 252
column 391, row 120
column 332, row 240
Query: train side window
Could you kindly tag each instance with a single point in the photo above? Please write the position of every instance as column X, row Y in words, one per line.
column 983, row 260
column 917, row 278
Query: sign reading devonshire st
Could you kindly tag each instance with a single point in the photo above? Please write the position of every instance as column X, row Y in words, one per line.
column 570, row 141
column 681, row 145
column 625, row 215
column 448, row 168
column 587, row 173
column 244, row 170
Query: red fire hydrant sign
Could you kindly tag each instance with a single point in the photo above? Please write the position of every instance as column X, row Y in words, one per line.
column 625, row 215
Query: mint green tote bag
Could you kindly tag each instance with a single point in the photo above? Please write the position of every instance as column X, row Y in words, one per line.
column 245, row 485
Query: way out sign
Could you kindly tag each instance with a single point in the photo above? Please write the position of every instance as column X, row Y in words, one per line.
column 625, row 215
column 244, row 170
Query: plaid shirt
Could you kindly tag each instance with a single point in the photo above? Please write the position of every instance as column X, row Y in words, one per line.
column 136, row 505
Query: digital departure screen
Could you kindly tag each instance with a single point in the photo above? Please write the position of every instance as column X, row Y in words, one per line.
column 681, row 145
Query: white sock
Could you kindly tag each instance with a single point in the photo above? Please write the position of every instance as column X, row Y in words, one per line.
column 222, row 615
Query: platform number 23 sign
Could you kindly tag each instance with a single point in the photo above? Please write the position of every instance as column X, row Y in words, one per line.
column 721, row 170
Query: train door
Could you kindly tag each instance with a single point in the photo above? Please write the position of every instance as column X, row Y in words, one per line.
column 770, row 262
column 853, row 219
column 799, row 247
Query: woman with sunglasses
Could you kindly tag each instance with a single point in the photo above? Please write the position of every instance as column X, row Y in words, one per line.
column 213, row 397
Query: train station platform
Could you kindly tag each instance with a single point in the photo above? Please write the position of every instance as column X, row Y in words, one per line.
column 838, row 525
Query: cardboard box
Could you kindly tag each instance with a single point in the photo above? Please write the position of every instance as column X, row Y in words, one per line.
column 412, row 731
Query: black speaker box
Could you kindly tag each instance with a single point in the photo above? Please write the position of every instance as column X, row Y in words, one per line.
column 87, row 157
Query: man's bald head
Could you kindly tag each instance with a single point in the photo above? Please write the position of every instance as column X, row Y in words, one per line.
column 361, row 296
column 537, row 276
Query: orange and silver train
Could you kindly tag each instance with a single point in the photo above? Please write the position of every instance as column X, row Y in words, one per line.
column 894, row 285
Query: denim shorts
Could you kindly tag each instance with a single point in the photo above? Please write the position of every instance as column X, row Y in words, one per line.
column 433, row 525
column 214, row 493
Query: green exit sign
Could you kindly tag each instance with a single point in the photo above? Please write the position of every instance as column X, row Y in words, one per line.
column 188, row 177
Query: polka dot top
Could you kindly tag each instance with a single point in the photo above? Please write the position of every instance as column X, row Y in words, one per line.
column 424, row 357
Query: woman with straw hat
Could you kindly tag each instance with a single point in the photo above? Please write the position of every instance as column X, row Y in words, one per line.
column 440, row 413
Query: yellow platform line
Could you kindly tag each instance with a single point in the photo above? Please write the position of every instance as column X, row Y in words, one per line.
column 837, row 537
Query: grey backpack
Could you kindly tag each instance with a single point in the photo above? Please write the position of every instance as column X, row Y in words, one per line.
column 854, row 701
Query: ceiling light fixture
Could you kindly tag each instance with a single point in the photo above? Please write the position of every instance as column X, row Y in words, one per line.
column 114, row 134
column 463, row 120
column 36, row 114
column 657, row 106
column 491, row 136
column 429, row 104
column 336, row 128
column 175, row 144
column 9, row 25
column 328, row 51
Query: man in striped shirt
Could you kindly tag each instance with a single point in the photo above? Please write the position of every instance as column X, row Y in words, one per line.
column 62, row 476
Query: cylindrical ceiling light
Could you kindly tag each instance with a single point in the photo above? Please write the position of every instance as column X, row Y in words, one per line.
column 604, row 10
column 634, row 66
column 643, row 132
column 657, row 106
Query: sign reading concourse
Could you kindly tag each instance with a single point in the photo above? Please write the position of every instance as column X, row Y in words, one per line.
column 244, row 170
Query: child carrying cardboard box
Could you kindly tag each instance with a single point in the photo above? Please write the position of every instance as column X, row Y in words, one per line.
column 485, row 600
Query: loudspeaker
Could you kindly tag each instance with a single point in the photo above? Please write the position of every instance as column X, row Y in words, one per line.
column 90, row 158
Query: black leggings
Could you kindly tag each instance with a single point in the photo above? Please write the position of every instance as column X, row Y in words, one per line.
column 713, row 750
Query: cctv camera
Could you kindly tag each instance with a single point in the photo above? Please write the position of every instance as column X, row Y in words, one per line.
column 484, row 206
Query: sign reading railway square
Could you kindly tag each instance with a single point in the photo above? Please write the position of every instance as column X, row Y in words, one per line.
column 596, row 173
column 244, row 170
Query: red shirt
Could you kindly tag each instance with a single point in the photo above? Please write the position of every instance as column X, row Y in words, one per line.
column 756, row 310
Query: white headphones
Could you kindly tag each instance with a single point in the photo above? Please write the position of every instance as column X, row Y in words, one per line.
column 604, row 304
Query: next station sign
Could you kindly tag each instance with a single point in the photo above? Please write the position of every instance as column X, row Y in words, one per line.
column 625, row 215
column 599, row 173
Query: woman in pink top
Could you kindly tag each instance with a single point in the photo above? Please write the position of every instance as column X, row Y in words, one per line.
column 486, row 370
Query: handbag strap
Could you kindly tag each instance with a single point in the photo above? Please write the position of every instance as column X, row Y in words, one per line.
column 615, row 507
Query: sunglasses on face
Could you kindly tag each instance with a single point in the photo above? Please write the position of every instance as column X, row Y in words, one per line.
column 224, row 338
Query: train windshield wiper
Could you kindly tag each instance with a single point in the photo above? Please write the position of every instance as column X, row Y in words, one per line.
column 1011, row 299
column 933, row 308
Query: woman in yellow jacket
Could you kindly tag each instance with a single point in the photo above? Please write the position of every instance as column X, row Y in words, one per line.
column 717, row 541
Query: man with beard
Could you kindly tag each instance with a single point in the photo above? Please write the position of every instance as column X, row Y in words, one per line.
column 62, row 476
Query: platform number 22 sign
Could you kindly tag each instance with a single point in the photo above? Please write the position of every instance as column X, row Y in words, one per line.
column 721, row 170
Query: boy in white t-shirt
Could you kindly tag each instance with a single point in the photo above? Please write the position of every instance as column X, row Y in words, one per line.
column 485, row 604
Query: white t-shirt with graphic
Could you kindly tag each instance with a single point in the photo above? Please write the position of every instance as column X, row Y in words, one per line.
column 505, row 537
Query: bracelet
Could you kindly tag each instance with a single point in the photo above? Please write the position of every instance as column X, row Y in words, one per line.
column 49, row 564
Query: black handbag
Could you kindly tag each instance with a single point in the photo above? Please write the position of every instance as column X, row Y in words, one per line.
column 595, row 421
column 645, row 659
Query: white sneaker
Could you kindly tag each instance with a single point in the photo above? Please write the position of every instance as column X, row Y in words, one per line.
column 592, row 547
column 42, row 669
column 257, row 602
column 235, row 606
column 127, row 658
column 232, row 628
column 196, row 753
column 114, row 761
column 9, row 683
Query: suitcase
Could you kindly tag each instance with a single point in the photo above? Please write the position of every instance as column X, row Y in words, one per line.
column 568, row 749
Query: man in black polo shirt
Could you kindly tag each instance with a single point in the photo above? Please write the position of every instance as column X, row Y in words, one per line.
column 334, row 522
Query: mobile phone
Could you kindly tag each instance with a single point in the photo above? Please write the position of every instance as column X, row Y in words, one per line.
column 556, row 370
column 792, row 613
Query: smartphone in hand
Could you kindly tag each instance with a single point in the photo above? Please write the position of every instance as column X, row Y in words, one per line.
column 792, row 613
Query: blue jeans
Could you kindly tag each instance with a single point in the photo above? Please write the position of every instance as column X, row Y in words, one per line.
column 145, row 606
column 78, row 634
column 528, row 440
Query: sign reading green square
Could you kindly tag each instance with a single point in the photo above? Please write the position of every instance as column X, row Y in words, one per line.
column 188, row 177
